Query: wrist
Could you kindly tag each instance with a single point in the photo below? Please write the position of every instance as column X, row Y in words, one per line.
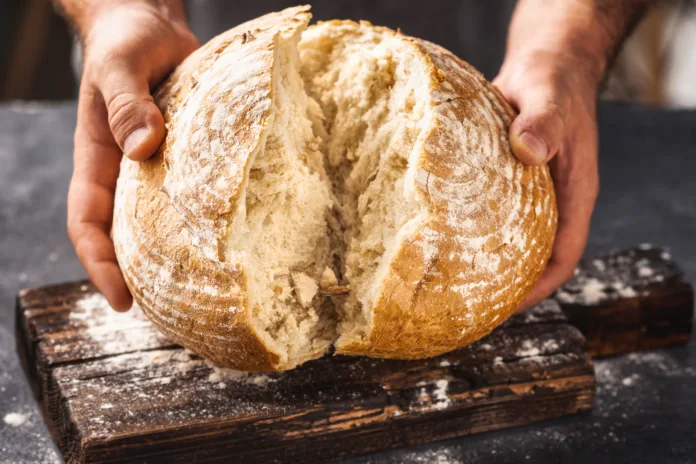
column 578, row 37
column 85, row 15
column 568, row 71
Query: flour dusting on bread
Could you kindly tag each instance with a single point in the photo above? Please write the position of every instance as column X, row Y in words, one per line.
column 343, row 184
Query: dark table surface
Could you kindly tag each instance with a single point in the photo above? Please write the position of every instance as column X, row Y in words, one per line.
column 645, row 410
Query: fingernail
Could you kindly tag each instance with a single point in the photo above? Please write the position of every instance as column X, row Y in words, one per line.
column 536, row 146
column 134, row 140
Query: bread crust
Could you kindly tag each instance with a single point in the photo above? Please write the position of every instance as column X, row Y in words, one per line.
column 216, row 106
column 491, row 229
column 463, row 273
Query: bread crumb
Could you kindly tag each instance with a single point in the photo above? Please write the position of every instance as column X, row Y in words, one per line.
column 328, row 279
column 306, row 288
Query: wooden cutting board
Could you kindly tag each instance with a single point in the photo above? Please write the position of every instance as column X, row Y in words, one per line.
column 113, row 389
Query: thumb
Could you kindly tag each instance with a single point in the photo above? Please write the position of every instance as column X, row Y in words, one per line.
column 537, row 133
column 135, row 121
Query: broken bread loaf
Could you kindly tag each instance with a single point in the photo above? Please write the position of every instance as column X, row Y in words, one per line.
column 342, row 184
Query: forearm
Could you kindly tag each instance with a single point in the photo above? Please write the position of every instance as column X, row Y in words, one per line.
column 82, row 14
column 582, row 35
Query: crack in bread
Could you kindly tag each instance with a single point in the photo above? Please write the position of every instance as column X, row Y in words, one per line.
column 295, row 155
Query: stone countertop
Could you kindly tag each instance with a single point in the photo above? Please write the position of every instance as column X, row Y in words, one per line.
column 645, row 410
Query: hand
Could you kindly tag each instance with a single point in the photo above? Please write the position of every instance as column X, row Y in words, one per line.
column 129, row 48
column 557, row 54
column 556, row 125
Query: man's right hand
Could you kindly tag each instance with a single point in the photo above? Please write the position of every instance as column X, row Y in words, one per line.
column 129, row 47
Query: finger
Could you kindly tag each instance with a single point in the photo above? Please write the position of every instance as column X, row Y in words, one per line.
column 135, row 121
column 576, row 195
column 95, row 250
column 537, row 133
column 567, row 252
column 90, row 199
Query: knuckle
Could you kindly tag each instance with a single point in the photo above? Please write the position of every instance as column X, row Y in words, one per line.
column 126, row 112
column 547, row 117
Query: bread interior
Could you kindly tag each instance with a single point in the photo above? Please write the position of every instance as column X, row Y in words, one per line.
column 372, row 92
column 280, row 228
column 331, row 186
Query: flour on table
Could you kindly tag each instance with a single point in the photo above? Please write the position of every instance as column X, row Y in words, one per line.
column 439, row 455
column 14, row 419
column 620, row 388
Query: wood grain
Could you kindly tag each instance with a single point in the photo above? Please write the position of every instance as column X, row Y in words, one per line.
column 630, row 300
column 113, row 389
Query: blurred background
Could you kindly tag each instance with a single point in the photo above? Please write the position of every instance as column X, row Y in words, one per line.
column 39, row 59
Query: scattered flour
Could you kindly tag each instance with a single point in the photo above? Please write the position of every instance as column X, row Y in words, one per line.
column 15, row 419
column 661, row 363
column 531, row 348
column 618, row 275
column 621, row 391
column 439, row 398
column 440, row 395
column 113, row 332
column 221, row 375
column 439, row 455
column 591, row 292
column 624, row 291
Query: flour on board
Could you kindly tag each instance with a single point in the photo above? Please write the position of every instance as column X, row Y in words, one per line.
column 620, row 275
column 115, row 332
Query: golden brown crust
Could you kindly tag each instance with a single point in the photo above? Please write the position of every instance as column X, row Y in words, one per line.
column 490, row 233
column 461, row 274
column 172, row 210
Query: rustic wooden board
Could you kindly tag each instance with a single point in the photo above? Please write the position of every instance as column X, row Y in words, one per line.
column 113, row 389
column 629, row 300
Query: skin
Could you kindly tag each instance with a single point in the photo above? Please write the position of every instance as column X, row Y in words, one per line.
column 129, row 48
column 557, row 55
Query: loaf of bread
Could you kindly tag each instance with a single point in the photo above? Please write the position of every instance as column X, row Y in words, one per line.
column 342, row 184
